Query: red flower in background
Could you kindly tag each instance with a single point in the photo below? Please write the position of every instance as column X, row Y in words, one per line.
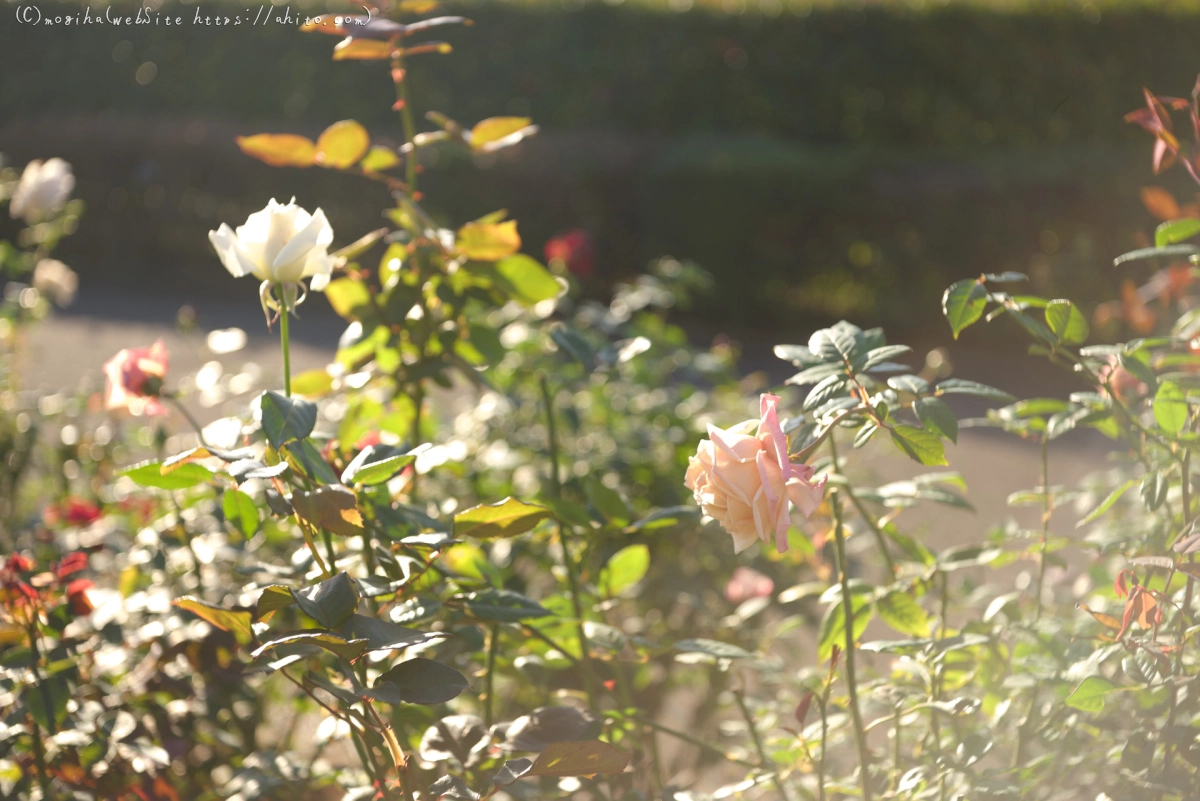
column 77, row 596
column 75, row 511
column 71, row 563
column 135, row 378
column 576, row 252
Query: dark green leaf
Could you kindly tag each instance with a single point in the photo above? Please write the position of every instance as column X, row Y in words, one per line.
column 1167, row 252
column 504, row 605
column 329, row 603
column 420, row 681
column 936, row 416
column 513, row 769
column 382, row 635
column 961, row 386
column 335, row 644
column 285, row 419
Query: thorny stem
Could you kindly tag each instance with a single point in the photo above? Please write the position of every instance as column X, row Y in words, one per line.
column 406, row 119
column 839, row 539
column 1046, row 512
column 764, row 761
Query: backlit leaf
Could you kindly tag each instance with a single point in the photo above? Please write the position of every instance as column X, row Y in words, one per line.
column 963, row 304
column 507, row 518
column 581, row 758
column 341, row 145
column 279, row 150
column 237, row 622
column 920, row 445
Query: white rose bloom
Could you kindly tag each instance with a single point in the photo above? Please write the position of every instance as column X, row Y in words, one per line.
column 278, row 244
column 43, row 190
column 56, row 280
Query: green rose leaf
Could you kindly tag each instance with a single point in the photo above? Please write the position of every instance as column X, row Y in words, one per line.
column 184, row 476
column 900, row 611
column 504, row 605
column 963, row 304
column 334, row 508
column 1089, row 695
column 1067, row 322
column 920, row 445
column 507, row 518
column 1170, row 407
column 241, row 511
column 382, row 635
column 627, row 567
column 713, row 648
column 285, row 419
column 371, row 466
column 272, row 599
column 833, row 627
column 349, row 650
column 580, row 758
column 528, row 281
column 1169, row 233
column 349, row 298
column 419, row 681
column 936, row 416
column 235, row 621
column 961, row 386
column 329, row 603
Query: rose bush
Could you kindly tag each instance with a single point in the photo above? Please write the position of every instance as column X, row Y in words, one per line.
column 480, row 554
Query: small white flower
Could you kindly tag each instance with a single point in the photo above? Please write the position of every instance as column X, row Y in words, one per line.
column 56, row 281
column 280, row 244
column 43, row 190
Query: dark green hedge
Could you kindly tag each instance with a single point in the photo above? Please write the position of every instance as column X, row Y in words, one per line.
column 856, row 162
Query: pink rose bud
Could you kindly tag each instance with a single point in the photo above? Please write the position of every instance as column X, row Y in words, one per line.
column 744, row 482
column 747, row 583
column 135, row 379
column 576, row 252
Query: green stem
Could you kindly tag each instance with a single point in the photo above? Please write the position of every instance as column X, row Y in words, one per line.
column 873, row 524
column 490, row 680
column 569, row 565
column 415, row 438
column 1046, row 511
column 410, row 129
column 839, row 541
column 179, row 407
column 283, row 339
column 765, row 762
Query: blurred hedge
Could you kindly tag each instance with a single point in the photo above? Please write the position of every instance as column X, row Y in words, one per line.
column 821, row 162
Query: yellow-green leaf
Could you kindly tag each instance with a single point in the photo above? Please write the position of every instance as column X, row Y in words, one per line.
column 279, row 150
column 379, row 159
column 507, row 518
column 489, row 133
column 312, row 383
column 489, row 241
column 362, row 50
column 237, row 622
column 580, row 758
column 342, row 144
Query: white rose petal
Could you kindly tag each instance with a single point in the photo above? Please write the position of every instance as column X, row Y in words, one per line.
column 281, row 243
column 43, row 190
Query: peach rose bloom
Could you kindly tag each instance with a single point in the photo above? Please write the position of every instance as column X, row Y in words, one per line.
column 744, row 482
column 135, row 378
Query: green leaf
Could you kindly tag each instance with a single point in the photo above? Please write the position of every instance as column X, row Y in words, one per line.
column 608, row 502
column 1067, row 322
column 1167, row 252
column 334, row 508
column 335, row 644
column 900, row 611
column 273, row 598
column 504, row 605
column 936, row 416
column 1154, row 489
column 47, row 701
column 507, row 518
column 713, row 648
column 963, row 304
column 882, row 355
column 528, row 281
column 237, row 622
column 369, row 468
column 285, row 419
column 833, row 627
column 627, row 567
column 1170, row 408
column 415, row 609
column 580, row 758
column 961, row 386
column 379, row 159
column 312, row 383
column 493, row 132
column 920, row 445
column 329, row 603
column 382, row 635
column 303, row 457
column 420, row 681
column 241, row 511
column 149, row 474
column 1169, row 233
column 1089, row 695
column 349, row 298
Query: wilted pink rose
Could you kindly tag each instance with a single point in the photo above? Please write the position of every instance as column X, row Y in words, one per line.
column 1125, row 385
column 575, row 250
column 744, row 482
column 135, row 377
column 747, row 583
